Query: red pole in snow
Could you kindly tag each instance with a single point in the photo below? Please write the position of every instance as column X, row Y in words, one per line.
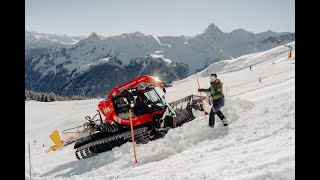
column 290, row 53
column 203, row 107
column 132, row 134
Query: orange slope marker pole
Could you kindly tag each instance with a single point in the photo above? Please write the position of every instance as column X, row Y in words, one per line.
column 132, row 134
column 203, row 107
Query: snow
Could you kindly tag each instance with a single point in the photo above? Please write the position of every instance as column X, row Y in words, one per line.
column 162, row 57
column 105, row 59
column 87, row 66
column 167, row 60
column 158, row 41
column 259, row 142
column 39, row 36
column 58, row 38
column 74, row 42
column 156, row 38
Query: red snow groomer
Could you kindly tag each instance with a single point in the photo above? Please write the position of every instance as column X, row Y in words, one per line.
column 152, row 116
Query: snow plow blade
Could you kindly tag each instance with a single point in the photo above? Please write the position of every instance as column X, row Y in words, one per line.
column 184, row 109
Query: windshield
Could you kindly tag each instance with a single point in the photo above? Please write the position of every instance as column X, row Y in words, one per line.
column 153, row 100
column 145, row 101
column 152, row 96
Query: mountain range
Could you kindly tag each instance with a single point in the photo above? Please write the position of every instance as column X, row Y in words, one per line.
column 78, row 65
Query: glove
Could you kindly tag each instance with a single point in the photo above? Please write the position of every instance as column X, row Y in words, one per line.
column 200, row 90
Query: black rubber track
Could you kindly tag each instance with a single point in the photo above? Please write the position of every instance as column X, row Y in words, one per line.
column 98, row 146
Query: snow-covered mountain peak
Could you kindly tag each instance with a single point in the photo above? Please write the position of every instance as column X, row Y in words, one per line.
column 212, row 28
column 268, row 33
column 92, row 39
column 137, row 33
column 240, row 30
column 241, row 33
column 93, row 36
column 45, row 40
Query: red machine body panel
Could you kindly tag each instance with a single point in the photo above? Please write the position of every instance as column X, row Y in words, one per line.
column 107, row 106
column 134, row 83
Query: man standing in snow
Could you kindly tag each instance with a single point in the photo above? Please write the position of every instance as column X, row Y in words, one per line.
column 218, row 100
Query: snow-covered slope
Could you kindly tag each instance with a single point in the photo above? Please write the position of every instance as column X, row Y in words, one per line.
column 259, row 142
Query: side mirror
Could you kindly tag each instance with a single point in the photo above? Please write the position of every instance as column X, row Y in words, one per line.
column 164, row 90
column 88, row 118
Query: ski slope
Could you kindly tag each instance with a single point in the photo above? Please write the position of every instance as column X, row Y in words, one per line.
column 259, row 142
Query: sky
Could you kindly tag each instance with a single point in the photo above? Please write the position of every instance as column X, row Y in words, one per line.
column 258, row 143
column 159, row 18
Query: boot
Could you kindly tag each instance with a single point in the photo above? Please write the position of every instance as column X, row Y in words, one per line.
column 224, row 122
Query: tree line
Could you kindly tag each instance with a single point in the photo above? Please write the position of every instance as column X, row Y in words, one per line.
column 49, row 97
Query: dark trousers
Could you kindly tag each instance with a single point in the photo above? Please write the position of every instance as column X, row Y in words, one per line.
column 217, row 104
